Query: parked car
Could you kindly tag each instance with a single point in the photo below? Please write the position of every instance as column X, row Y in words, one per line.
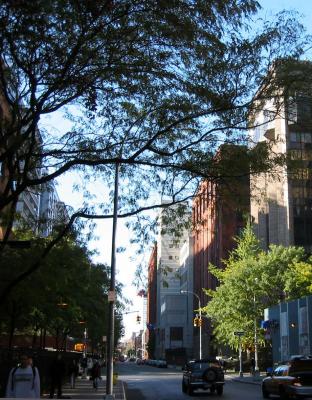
column 291, row 379
column 203, row 374
column 162, row 364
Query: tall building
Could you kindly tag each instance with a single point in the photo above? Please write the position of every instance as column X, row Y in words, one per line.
column 218, row 216
column 171, row 305
column 186, row 288
column 52, row 210
column 27, row 208
column 151, row 302
column 5, row 116
column 281, row 201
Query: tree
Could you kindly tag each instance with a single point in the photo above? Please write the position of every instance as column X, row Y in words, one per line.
column 251, row 281
column 68, row 289
column 152, row 86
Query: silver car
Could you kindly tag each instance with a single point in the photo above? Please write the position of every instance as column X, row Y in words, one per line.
column 292, row 379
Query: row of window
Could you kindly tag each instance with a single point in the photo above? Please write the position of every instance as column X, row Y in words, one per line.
column 300, row 137
column 301, row 154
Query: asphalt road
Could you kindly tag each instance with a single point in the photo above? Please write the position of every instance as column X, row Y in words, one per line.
column 151, row 383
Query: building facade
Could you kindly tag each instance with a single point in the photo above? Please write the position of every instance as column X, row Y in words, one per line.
column 281, row 200
column 52, row 210
column 171, row 305
column 218, row 216
column 151, row 311
column 289, row 326
column 186, row 288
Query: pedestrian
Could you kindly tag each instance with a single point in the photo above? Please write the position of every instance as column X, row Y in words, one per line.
column 252, row 366
column 57, row 373
column 73, row 373
column 84, row 366
column 24, row 380
column 96, row 374
column 224, row 366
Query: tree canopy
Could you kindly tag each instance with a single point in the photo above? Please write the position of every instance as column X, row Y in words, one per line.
column 68, row 289
column 251, row 281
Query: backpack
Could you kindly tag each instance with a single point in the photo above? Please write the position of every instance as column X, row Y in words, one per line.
column 33, row 381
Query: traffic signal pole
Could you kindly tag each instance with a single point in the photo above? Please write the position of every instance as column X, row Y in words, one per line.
column 200, row 330
column 200, row 320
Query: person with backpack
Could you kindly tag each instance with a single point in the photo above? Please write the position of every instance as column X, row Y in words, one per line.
column 24, row 380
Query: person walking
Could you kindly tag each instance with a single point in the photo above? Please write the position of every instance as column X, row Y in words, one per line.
column 24, row 380
column 252, row 366
column 57, row 373
column 73, row 373
column 96, row 374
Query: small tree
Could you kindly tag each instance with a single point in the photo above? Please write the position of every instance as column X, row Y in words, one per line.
column 252, row 280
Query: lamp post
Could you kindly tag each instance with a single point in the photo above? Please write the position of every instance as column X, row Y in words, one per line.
column 111, row 297
column 200, row 317
column 256, row 335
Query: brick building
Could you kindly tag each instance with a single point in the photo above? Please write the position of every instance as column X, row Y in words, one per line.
column 218, row 216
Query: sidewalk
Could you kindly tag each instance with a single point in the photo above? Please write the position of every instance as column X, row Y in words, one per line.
column 85, row 390
column 247, row 378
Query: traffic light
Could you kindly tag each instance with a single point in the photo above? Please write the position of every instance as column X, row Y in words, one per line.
column 200, row 321
column 196, row 321
column 138, row 319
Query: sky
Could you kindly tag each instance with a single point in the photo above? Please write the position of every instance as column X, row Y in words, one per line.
column 124, row 264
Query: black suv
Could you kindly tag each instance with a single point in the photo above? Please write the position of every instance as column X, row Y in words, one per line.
column 203, row 374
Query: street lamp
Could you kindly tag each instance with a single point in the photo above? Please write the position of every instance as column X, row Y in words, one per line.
column 200, row 318
column 111, row 296
column 256, row 334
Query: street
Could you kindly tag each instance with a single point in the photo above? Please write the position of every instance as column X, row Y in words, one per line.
column 150, row 383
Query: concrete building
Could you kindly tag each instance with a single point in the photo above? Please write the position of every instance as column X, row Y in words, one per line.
column 52, row 210
column 281, row 200
column 171, row 305
column 289, row 326
column 151, row 311
column 186, row 287
column 218, row 216
column 28, row 209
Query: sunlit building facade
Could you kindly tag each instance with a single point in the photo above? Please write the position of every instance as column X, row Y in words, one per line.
column 281, row 201
column 219, row 214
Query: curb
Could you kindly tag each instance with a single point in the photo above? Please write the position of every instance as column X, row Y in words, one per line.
column 242, row 380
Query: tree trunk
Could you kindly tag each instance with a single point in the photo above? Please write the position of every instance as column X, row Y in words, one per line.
column 34, row 338
column 57, row 339
column 12, row 325
column 44, row 338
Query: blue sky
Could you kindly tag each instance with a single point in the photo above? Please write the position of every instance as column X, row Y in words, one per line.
column 304, row 7
column 125, row 266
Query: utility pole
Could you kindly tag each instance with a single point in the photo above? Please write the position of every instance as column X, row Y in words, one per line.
column 112, row 298
column 200, row 319
column 256, row 335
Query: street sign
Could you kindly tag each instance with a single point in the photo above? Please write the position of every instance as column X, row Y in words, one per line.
column 239, row 333
column 111, row 296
